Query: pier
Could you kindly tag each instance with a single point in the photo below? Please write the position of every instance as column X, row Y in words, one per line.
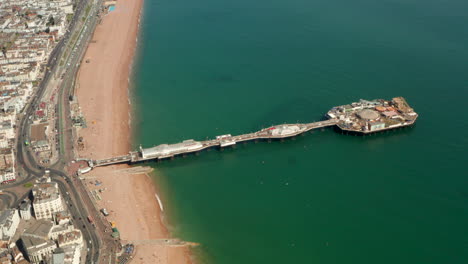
column 363, row 117
column 165, row 151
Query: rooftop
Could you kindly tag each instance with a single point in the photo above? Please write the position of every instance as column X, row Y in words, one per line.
column 69, row 237
column 368, row 114
column 166, row 149
column 45, row 192
column 362, row 116
column 34, row 244
column 25, row 206
column 6, row 215
column 40, row 229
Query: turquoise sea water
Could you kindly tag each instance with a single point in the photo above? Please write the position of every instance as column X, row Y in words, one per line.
column 213, row 67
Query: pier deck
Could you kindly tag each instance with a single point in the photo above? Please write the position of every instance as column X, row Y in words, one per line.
column 363, row 117
column 162, row 152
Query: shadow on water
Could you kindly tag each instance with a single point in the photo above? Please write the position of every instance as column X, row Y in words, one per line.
column 397, row 132
column 256, row 147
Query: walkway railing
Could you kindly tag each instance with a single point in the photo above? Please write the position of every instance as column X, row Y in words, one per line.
column 231, row 140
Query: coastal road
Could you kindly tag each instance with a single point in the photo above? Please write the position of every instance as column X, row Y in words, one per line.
column 6, row 201
column 85, row 208
column 68, row 83
column 105, row 253
column 25, row 158
column 79, row 213
column 108, row 245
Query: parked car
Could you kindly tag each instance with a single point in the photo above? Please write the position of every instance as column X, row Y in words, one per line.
column 104, row 212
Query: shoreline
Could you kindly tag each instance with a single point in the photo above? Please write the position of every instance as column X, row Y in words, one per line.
column 105, row 97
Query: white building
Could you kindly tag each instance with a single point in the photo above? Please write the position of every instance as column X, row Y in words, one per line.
column 38, row 249
column 166, row 150
column 58, row 230
column 7, row 175
column 68, row 9
column 46, row 200
column 67, row 255
column 70, row 238
column 72, row 254
column 7, row 130
column 62, row 218
column 15, row 103
column 9, row 221
column 37, row 243
column 25, row 211
column 7, row 159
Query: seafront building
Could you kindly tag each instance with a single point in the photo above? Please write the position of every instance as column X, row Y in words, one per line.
column 46, row 200
column 9, row 221
column 51, row 237
column 66, row 255
column 70, row 238
column 29, row 30
column 44, row 241
column 36, row 241
column 7, row 168
column 25, row 210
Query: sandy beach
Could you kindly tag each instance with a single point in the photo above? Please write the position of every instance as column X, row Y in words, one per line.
column 102, row 93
